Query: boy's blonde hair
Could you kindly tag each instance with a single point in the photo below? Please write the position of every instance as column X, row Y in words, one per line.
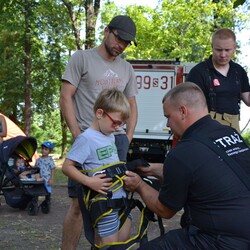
column 113, row 100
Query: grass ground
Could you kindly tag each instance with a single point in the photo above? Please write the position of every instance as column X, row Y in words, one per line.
column 19, row 231
column 60, row 178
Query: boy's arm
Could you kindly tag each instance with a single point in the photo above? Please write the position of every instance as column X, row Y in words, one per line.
column 98, row 183
column 52, row 176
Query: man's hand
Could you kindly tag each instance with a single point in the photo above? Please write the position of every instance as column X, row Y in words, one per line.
column 132, row 181
column 154, row 169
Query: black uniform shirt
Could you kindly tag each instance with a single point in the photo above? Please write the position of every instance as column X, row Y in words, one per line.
column 198, row 180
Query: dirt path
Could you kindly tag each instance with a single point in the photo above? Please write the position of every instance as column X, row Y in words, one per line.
column 19, row 231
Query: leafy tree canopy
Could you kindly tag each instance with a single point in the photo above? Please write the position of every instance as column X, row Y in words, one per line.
column 175, row 29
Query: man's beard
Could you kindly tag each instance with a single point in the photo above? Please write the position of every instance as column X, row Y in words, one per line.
column 109, row 51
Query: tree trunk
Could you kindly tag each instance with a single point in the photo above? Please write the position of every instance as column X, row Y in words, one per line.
column 91, row 11
column 27, row 66
column 74, row 23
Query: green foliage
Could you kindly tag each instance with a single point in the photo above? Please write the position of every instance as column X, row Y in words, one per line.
column 175, row 29
column 179, row 29
column 60, row 178
column 246, row 136
column 50, row 39
column 11, row 60
column 46, row 127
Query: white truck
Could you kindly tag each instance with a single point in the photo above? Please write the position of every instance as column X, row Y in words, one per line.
column 152, row 139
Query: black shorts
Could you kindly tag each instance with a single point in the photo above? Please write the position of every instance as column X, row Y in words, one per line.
column 122, row 144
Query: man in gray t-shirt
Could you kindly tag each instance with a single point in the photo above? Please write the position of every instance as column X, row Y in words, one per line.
column 87, row 73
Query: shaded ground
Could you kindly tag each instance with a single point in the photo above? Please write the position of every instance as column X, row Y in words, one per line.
column 19, row 231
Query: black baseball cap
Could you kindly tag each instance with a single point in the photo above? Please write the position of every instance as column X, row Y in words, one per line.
column 125, row 27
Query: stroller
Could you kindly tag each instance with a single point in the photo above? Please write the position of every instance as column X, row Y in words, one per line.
column 20, row 193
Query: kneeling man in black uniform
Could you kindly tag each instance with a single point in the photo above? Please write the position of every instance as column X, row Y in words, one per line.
column 207, row 174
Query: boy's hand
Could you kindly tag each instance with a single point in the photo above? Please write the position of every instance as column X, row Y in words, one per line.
column 99, row 183
column 50, row 182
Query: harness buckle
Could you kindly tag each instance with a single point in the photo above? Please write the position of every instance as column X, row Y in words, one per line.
column 109, row 194
column 100, row 172
column 118, row 169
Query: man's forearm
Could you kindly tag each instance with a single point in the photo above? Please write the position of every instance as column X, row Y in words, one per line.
column 132, row 121
column 67, row 109
column 149, row 195
column 246, row 98
column 151, row 198
column 71, row 121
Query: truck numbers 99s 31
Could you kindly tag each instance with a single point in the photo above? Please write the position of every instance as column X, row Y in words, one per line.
column 147, row 82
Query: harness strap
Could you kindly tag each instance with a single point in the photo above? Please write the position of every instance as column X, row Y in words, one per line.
column 141, row 235
column 87, row 222
column 129, row 204
column 99, row 208
column 212, row 94
column 94, row 206
column 112, row 169
column 150, row 215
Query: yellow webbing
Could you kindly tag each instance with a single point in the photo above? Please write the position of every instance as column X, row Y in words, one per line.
column 102, row 167
column 131, row 239
column 97, row 198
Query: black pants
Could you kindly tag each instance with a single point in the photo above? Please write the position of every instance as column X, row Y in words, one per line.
column 191, row 238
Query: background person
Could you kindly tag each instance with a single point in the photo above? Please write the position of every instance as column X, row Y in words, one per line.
column 216, row 203
column 111, row 110
column 24, row 171
column 47, row 168
column 87, row 74
column 3, row 128
column 224, row 82
column 19, row 164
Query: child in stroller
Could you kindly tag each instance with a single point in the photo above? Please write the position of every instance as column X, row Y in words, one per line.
column 20, row 193
column 22, row 169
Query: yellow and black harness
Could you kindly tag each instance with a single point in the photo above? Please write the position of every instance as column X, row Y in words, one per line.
column 95, row 205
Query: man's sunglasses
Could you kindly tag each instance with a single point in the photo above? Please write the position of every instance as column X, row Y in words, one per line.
column 118, row 39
